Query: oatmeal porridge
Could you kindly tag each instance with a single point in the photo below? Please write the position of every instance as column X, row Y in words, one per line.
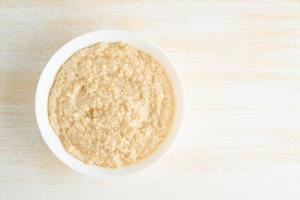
column 111, row 105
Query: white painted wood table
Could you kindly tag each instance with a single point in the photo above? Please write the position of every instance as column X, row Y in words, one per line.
column 240, row 62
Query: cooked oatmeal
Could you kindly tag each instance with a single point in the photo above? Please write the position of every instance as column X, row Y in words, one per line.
column 111, row 104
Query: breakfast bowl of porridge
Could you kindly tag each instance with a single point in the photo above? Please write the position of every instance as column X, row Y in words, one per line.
column 109, row 103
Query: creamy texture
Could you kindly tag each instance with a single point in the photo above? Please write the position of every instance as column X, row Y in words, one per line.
column 111, row 104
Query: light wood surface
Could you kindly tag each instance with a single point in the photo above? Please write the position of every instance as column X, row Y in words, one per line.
column 240, row 62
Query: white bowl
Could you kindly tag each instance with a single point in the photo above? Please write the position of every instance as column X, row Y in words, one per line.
column 48, row 75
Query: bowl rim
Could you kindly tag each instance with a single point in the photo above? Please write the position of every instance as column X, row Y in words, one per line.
column 48, row 75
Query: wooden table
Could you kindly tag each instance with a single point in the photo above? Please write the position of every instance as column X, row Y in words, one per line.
column 240, row 62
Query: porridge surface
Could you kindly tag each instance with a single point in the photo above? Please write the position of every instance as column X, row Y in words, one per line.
column 111, row 104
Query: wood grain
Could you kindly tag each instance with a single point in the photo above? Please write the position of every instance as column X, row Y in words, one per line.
column 240, row 62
